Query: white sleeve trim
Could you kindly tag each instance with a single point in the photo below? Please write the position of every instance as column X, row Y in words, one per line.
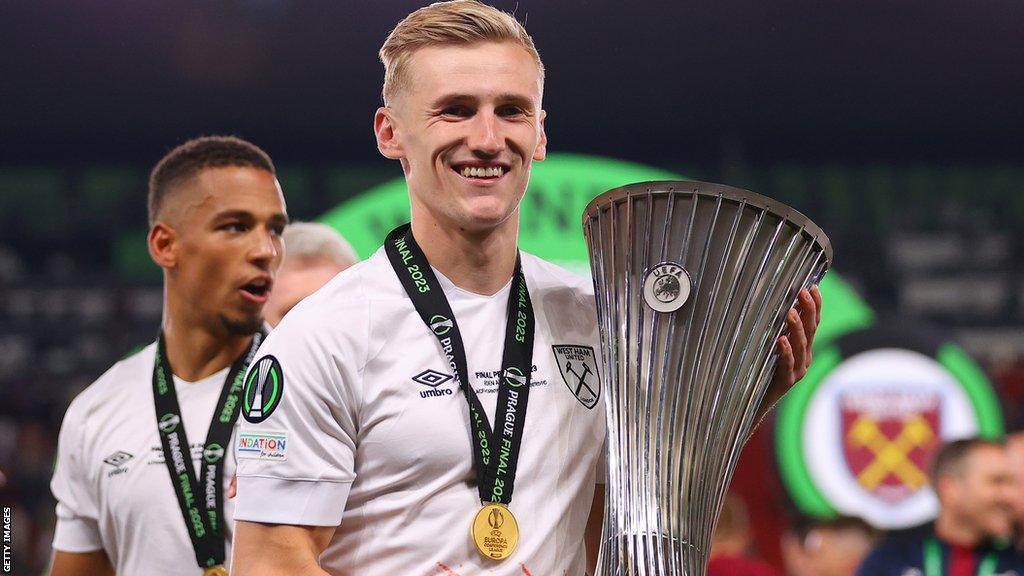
column 295, row 502
column 76, row 535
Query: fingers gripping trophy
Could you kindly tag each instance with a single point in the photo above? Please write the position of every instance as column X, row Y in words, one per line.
column 693, row 282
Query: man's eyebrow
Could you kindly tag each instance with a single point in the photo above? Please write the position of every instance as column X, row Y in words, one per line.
column 449, row 98
column 246, row 215
column 521, row 100
column 239, row 214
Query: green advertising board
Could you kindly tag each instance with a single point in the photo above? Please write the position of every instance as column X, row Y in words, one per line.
column 550, row 226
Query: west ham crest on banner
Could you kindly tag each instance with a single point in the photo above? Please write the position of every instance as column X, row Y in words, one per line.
column 876, row 405
column 578, row 366
column 888, row 438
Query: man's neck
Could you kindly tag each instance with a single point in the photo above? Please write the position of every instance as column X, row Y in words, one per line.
column 196, row 351
column 955, row 533
column 481, row 263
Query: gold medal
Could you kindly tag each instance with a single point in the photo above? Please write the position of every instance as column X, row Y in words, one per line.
column 218, row 570
column 495, row 531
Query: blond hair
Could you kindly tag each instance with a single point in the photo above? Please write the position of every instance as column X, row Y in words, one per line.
column 458, row 22
column 310, row 241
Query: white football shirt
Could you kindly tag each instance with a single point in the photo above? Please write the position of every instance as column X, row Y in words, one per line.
column 371, row 433
column 112, row 487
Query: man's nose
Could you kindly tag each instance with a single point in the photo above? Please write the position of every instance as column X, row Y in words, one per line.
column 485, row 134
column 265, row 248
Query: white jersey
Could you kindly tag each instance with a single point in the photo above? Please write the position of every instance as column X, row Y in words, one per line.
column 370, row 432
column 112, row 487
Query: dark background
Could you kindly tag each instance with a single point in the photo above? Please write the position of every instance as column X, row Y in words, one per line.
column 897, row 126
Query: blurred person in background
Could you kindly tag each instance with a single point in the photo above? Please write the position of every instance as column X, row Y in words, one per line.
column 316, row 253
column 974, row 483
column 731, row 543
column 143, row 452
column 1015, row 452
column 827, row 546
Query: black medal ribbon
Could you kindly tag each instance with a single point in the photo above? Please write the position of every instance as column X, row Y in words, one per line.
column 495, row 450
column 200, row 498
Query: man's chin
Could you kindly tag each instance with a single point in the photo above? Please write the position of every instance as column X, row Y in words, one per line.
column 242, row 326
column 486, row 218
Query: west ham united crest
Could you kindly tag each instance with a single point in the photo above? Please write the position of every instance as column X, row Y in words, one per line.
column 666, row 287
column 263, row 388
column 578, row 367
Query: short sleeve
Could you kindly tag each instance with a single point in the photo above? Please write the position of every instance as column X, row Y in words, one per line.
column 77, row 528
column 296, row 442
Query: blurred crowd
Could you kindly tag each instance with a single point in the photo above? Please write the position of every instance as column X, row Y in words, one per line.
column 980, row 487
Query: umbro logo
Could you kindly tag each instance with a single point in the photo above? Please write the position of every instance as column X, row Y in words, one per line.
column 118, row 458
column 432, row 379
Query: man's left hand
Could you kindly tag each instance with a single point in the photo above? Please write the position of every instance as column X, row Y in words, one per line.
column 794, row 348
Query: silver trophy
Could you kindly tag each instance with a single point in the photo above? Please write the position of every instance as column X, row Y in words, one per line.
column 693, row 282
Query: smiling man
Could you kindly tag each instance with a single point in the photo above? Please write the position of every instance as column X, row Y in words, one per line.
column 435, row 409
column 141, row 464
column 972, row 534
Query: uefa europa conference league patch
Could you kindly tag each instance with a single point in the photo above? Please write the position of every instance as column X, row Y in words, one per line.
column 263, row 389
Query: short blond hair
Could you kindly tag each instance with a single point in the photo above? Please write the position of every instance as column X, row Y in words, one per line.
column 310, row 241
column 459, row 22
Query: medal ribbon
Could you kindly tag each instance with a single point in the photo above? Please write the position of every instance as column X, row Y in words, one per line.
column 201, row 498
column 495, row 450
column 933, row 560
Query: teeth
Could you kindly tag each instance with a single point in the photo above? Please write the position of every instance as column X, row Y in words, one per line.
column 476, row 172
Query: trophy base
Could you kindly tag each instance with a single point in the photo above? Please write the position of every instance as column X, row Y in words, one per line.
column 651, row 554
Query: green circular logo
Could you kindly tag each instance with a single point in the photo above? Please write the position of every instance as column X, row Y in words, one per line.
column 514, row 377
column 169, row 423
column 441, row 325
column 264, row 387
column 213, row 453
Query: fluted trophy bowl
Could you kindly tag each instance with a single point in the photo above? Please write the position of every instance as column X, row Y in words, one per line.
column 693, row 281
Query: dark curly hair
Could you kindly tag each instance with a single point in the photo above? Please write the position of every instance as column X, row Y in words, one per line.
column 188, row 159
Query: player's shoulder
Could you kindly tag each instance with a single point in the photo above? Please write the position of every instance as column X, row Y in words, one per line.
column 545, row 276
column 127, row 375
column 368, row 280
column 339, row 317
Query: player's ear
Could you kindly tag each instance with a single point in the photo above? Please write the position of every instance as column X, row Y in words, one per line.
column 542, row 144
column 946, row 487
column 384, row 130
column 162, row 243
